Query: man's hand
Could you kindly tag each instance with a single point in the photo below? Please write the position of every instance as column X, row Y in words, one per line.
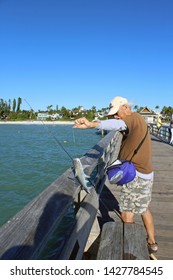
column 84, row 123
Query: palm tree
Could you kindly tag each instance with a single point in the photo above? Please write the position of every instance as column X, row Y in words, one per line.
column 18, row 104
column 157, row 108
column 49, row 108
column 14, row 105
column 136, row 108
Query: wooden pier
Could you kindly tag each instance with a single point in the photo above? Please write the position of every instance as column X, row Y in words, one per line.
column 27, row 234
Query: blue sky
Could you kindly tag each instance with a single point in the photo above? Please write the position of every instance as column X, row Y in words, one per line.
column 85, row 52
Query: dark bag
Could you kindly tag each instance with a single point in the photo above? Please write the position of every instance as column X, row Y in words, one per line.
column 123, row 171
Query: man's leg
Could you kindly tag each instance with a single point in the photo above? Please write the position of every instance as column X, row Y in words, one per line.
column 149, row 226
column 127, row 217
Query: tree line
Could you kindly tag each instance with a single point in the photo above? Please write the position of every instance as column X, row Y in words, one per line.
column 8, row 106
column 11, row 110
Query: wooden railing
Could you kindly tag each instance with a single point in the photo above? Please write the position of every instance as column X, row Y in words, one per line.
column 163, row 133
column 27, row 234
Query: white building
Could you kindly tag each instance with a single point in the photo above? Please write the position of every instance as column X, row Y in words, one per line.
column 42, row 116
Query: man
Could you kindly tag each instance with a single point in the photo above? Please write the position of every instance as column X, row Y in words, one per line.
column 135, row 195
column 171, row 132
column 159, row 123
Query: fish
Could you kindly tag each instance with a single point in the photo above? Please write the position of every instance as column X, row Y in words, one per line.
column 81, row 176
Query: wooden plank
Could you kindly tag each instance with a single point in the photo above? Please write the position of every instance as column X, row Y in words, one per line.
column 135, row 245
column 111, row 242
column 122, row 241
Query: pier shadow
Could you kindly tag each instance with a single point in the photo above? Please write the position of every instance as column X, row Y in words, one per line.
column 109, row 207
column 35, row 238
column 72, row 236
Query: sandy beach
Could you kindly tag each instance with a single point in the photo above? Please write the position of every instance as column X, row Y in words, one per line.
column 37, row 122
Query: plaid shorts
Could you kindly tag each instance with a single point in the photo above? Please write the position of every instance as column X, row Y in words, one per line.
column 136, row 196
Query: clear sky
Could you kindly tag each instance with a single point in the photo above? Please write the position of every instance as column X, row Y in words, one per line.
column 85, row 52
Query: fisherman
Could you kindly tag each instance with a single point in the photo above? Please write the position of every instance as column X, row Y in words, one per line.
column 171, row 132
column 159, row 122
column 136, row 195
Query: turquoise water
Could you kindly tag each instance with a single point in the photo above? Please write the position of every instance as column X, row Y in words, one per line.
column 31, row 159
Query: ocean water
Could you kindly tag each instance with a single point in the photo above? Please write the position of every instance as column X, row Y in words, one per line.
column 31, row 159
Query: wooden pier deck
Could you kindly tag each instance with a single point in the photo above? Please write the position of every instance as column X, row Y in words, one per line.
column 162, row 199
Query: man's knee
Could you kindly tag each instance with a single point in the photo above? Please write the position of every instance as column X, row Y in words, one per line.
column 127, row 217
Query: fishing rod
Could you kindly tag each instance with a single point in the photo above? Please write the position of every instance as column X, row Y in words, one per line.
column 51, row 134
column 79, row 172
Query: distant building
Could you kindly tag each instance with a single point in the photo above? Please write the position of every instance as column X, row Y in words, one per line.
column 55, row 116
column 45, row 116
column 42, row 116
column 148, row 115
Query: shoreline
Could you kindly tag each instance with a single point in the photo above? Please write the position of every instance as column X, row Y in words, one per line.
column 37, row 122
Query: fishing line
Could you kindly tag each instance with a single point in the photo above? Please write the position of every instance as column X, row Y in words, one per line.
column 51, row 134
column 74, row 139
